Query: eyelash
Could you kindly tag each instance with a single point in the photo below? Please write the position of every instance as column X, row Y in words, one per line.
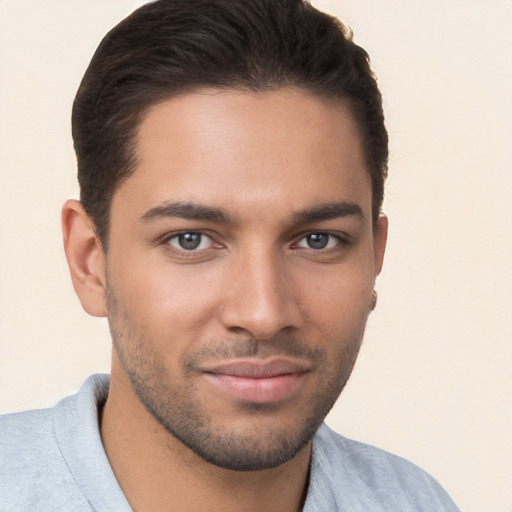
column 342, row 240
column 166, row 241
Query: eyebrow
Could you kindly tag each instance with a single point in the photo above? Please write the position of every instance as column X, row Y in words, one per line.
column 328, row 211
column 189, row 211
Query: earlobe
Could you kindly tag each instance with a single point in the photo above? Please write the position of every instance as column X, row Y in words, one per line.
column 380, row 236
column 85, row 256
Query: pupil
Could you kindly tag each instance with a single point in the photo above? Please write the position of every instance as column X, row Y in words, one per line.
column 318, row 240
column 190, row 241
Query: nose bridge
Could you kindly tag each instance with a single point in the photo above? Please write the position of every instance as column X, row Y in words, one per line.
column 261, row 299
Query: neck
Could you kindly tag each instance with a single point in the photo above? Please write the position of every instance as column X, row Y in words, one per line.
column 158, row 473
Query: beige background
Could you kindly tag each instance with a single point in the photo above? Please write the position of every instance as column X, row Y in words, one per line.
column 434, row 379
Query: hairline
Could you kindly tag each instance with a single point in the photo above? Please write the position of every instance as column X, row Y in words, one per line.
column 132, row 153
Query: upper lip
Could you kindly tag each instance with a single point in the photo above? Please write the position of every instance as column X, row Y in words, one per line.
column 256, row 368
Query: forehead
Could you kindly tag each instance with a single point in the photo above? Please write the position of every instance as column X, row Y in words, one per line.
column 249, row 150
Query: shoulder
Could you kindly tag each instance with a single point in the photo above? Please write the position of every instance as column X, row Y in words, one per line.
column 364, row 477
column 33, row 470
column 26, row 439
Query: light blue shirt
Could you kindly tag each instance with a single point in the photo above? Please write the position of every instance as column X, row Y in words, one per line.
column 52, row 460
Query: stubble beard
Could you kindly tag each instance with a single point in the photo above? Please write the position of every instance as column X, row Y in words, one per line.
column 181, row 414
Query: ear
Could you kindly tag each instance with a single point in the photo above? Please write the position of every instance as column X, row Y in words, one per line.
column 380, row 236
column 86, row 259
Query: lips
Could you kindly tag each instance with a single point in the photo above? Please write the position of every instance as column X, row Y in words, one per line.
column 257, row 381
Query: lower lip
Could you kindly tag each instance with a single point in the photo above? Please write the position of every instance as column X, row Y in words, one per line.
column 257, row 390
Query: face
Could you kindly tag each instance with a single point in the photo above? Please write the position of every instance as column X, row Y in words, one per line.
column 241, row 263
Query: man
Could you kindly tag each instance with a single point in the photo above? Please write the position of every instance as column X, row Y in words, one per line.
column 231, row 160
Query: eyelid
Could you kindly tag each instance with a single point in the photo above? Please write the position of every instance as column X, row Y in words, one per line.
column 342, row 238
column 165, row 241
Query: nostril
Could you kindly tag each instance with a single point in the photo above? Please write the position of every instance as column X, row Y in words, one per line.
column 260, row 323
column 259, row 298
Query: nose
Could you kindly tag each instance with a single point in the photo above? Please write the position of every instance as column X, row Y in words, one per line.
column 260, row 297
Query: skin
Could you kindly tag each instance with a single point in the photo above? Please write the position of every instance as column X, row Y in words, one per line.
column 274, row 189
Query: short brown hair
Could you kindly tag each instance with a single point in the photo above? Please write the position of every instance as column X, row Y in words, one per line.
column 171, row 47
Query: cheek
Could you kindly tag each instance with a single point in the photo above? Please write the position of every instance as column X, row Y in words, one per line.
column 338, row 297
column 166, row 299
column 340, row 320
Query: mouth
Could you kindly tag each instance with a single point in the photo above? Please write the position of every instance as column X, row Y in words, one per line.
column 257, row 381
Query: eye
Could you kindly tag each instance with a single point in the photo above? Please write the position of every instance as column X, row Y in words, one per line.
column 318, row 241
column 190, row 241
